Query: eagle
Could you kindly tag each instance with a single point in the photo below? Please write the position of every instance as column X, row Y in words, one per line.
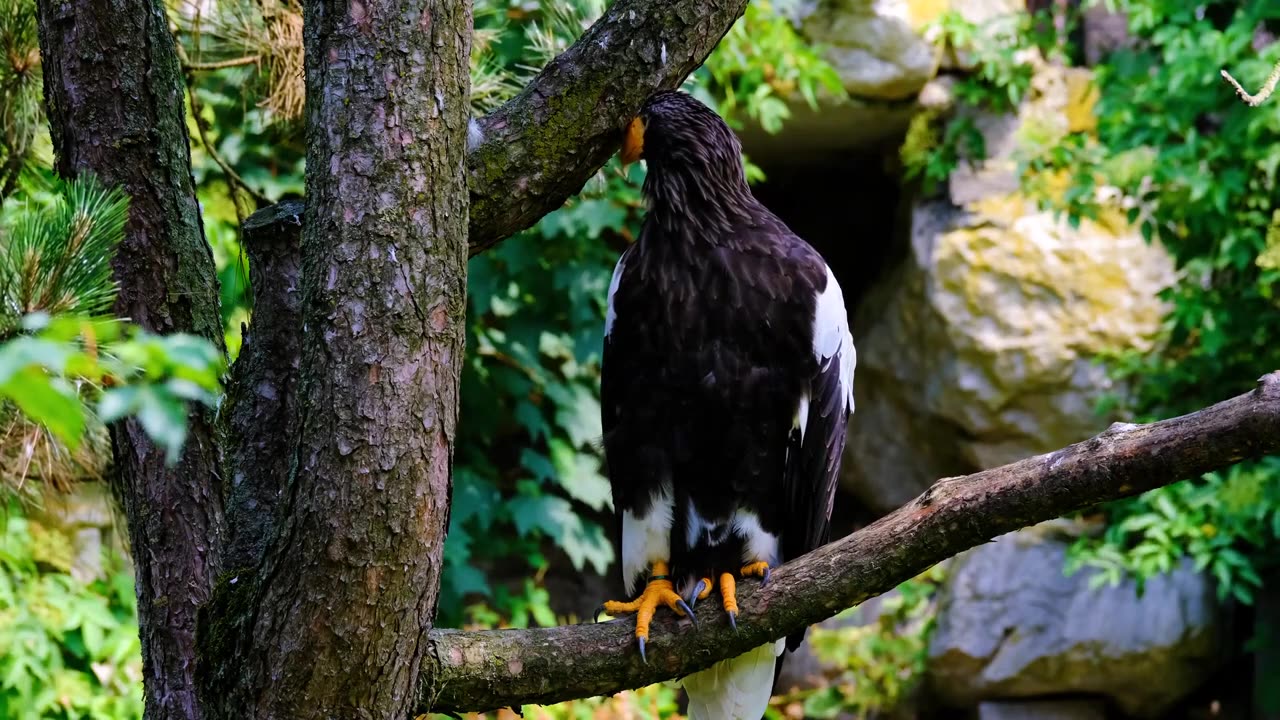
column 726, row 391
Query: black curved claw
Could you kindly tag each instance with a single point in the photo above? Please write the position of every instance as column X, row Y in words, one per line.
column 697, row 590
column 764, row 579
column 642, row 657
column 599, row 611
column 687, row 611
column 733, row 622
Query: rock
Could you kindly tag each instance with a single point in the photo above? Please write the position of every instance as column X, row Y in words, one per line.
column 1011, row 624
column 1043, row 710
column 981, row 12
column 814, row 138
column 877, row 46
column 82, row 520
column 1060, row 100
column 977, row 349
column 1104, row 32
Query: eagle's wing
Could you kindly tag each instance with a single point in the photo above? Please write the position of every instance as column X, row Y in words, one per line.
column 612, row 373
column 817, row 438
column 609, row 403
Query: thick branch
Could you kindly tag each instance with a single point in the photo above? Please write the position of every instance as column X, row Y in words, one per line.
column 539, row 148
column 484, row 670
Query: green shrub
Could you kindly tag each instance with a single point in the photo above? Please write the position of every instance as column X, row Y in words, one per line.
column 67, row 651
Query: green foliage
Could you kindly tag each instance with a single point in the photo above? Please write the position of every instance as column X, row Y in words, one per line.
column 761, row 64
column 881, row 661
column 1198, row 168
column 22, row 134
column 530, row 386
column 1223, row 522
column 57, row 351
column 935, row 146
column 57, row 249
column 59, row 362
column 67, row 650
column 937, row 143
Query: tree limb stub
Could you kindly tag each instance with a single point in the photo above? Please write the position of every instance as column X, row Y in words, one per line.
column 261, row 399
column 490, row 669
column 543, row 145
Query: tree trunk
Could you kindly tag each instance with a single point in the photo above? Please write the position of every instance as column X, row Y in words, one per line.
column 114, row 98
column 348, row 590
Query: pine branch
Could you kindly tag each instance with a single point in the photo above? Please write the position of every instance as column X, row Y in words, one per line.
column 492, row 669
column 221, row 64
column 57, row 258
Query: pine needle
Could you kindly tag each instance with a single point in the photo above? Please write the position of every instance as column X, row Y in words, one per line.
column 55, row 252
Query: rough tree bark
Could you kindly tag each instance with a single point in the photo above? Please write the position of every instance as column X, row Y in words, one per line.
column 348, row 589
column 491, row 669
column 113, row 92
column 373, row 439
column 259, row 417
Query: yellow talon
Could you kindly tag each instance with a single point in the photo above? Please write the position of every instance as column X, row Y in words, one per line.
column 658, row 591
column 729, row 595
column 705, row 584
column 756, row 569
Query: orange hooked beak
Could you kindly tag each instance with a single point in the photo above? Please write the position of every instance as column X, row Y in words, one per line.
column 633, row 141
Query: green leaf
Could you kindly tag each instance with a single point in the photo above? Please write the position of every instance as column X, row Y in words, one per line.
column 117, row 403
column 48, row 401
column 579, row 474
column 547, row 513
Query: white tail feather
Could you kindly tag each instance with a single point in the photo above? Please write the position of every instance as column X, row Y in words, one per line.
column 734, row 689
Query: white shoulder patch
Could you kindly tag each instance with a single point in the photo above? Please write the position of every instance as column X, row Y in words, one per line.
column 609, row 314
column 831, row 335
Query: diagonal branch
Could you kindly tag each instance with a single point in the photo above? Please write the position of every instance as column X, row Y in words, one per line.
column 490, row 669
column 539, row 148
column 530, row 155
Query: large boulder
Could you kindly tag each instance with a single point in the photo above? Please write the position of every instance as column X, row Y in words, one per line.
column 1011, row 624
column 884, row 49
column 887, row 58
column 877, row 46
column 978, row 348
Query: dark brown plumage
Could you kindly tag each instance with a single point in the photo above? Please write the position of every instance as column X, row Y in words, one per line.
column 728, row 367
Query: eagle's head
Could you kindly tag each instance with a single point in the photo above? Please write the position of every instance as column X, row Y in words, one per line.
column 693, row 158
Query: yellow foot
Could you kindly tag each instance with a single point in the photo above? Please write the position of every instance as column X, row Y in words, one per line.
column 729, row 587
column 757, row 569
column 658, row 591
column 700, row 592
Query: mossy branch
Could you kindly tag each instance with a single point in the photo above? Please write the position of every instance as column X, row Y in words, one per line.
column 539, row 148
column 489, row 669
